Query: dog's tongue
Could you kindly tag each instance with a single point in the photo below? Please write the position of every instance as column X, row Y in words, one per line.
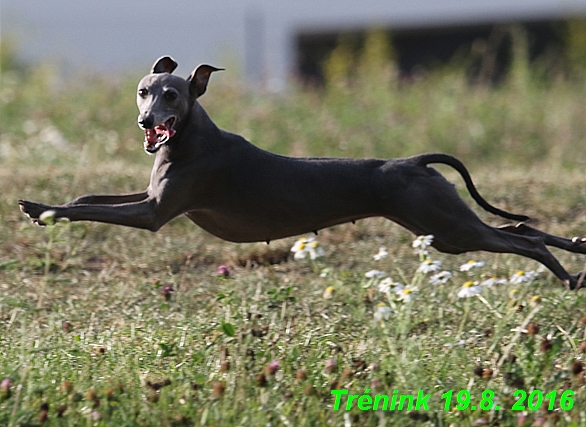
column 164, row 129
column 152, row 135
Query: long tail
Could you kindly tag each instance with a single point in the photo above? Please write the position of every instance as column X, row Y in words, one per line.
column 425, row 159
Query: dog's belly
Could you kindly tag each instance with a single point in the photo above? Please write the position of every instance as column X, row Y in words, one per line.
column 282, row 197
column 236, row 229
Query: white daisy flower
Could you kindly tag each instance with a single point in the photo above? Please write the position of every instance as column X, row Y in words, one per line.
column 301, row 243
column 514, row 294
column 387, row 284
column 429, row 265
column 471, row 264
column 406, row 294
column 315, row 250
column 522, row 277
column 493, row 281
column 300, row 247
column 440, row 278
column 382, row 253
column 422, row 242
column 300, row 255
column 375, row 274
column 469, row 289
column 382, row 312
column 307, row 246
column 329, row 292
column 384, row 286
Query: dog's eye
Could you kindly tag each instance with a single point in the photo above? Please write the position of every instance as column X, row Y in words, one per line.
column 170, row 95
column 143, row 93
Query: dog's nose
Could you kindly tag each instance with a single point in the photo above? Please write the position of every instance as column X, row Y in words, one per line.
column 146, row 122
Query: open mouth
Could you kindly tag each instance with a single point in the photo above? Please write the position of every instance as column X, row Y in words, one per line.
column 159, row 135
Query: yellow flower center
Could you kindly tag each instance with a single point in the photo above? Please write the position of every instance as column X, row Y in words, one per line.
column 468, row 284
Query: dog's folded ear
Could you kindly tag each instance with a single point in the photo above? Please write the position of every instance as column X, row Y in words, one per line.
column 198, row 80
column 165, row 64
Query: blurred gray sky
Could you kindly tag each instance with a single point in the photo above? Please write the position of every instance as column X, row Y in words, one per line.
column 124, row 35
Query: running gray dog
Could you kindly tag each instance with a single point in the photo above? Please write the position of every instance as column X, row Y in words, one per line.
column 241, row 193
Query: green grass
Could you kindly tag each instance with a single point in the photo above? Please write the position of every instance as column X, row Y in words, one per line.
column 85, row 331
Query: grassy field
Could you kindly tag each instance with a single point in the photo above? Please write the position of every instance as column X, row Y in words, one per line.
column 110, row 326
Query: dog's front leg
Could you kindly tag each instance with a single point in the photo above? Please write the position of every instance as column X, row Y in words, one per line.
column 145, row 214
column 108, row 199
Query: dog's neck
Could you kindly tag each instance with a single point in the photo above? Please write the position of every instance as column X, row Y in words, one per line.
column 182, row 145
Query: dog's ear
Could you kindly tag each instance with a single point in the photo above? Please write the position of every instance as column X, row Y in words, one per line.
column 165, row 64
column 198, row 80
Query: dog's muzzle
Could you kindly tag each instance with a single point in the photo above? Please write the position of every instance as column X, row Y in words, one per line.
column 156, row 136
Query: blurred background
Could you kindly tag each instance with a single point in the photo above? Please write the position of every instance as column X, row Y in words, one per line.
column 503, row 80
column 273, row 40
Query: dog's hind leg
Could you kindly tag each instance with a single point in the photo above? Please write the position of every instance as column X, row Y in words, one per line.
column 437, row 209
column 576, row 245
column 479, row 236
column 501, row 241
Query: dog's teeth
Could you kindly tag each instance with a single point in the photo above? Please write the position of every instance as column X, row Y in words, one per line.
column 575, row 239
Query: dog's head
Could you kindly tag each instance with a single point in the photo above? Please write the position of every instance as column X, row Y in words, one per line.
column 164, row 100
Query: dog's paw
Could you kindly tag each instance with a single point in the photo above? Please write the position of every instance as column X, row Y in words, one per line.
column 35, row 211
column 577, row 281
